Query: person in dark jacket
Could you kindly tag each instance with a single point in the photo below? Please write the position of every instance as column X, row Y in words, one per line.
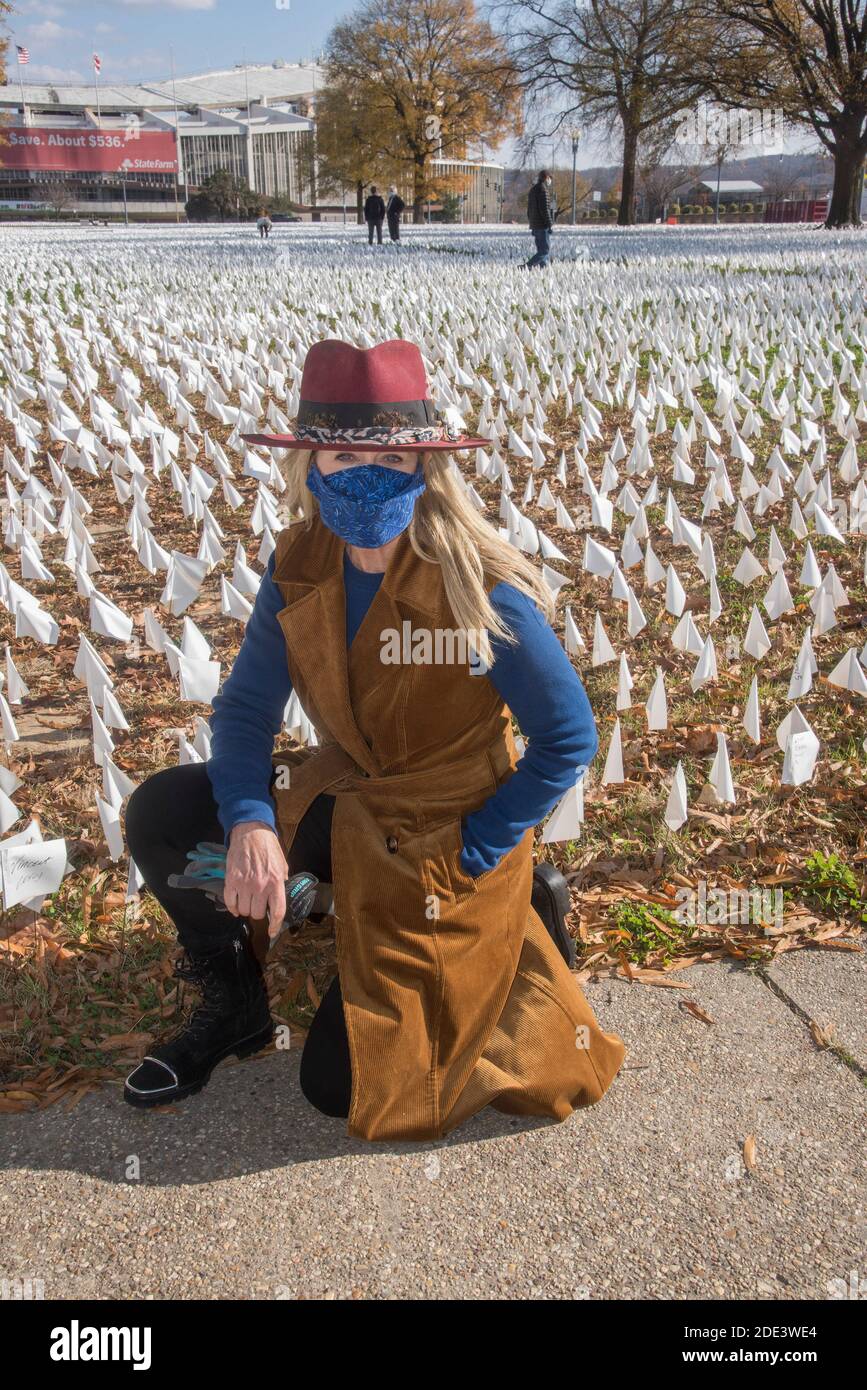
column 541, row 212
column 374, row 212
column 394, row 208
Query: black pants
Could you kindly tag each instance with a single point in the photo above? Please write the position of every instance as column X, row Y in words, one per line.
column 377, row 223
column 166, row 816
column 394, row 228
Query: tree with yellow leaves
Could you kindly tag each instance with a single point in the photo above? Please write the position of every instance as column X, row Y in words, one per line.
column 434, row 79
column 352, row 140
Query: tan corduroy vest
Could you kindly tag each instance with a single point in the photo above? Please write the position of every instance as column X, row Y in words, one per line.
column 454, row 995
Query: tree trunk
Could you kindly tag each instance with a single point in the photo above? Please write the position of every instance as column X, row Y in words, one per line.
column 844, row 209
column 359, row 202
column 418, row 189
column 626, row 213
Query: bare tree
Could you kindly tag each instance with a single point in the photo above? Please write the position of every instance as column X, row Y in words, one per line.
column 5, row 117
column 664, row 165
column 780, row 178
column 59, row 194
column 624, row 65
column 808, row 58
column 563, row 191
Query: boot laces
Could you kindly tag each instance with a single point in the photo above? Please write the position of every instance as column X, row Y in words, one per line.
column 185, row 968
column 213, row 998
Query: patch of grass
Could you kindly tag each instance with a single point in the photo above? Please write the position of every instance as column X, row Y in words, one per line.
column 832, row 886
column 451, row 250
column 647, row 931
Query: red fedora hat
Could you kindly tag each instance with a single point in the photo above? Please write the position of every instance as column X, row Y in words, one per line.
column 367, row 400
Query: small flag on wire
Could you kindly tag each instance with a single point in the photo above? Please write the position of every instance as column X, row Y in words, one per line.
column 97, row 62
column 23, row 55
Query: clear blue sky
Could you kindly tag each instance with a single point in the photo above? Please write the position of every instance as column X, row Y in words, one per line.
column 133, row 36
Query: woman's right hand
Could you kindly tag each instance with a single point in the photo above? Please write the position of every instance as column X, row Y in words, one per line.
column 256, row 873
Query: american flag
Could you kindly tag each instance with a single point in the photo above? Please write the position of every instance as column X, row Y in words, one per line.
column 23, row 55
column 97, row 62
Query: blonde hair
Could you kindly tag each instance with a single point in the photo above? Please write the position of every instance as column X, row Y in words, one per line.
column 447, row 530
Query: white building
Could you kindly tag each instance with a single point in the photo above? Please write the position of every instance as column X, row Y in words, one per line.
column 479, row 184
column 731, row 189
column 257, row 121
column 251, row 120
column 263, row 83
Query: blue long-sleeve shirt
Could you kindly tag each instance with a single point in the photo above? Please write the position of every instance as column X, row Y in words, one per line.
column 534, row 677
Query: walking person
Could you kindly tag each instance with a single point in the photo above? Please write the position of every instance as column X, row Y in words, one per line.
column 263, row 222
column 453, row 988
column 541, row 212
column 394, row 208
column 374, row 212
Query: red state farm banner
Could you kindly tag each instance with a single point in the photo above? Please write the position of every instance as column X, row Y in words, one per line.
column 88, row 151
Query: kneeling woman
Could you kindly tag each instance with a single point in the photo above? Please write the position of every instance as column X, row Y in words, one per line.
column 454, row 988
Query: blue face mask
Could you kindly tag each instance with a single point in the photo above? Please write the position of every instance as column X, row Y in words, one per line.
column 366, row 504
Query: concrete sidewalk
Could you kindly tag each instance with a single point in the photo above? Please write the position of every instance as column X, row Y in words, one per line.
column 246, row 1192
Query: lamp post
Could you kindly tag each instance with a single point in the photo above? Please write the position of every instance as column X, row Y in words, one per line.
column 177, row 142
column 576, row 136
column 124, row 169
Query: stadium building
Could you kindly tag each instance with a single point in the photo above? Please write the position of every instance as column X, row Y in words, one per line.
column 93, row 149
column 147, row 147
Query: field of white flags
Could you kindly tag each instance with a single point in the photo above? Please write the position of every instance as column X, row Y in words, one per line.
column 680, row 420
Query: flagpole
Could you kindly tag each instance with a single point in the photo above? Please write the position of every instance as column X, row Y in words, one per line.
column 177, row 137
column 21, row 82
column 96, row 84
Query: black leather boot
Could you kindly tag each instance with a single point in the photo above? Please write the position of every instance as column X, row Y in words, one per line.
column 550, row 898
column 233, row 1017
